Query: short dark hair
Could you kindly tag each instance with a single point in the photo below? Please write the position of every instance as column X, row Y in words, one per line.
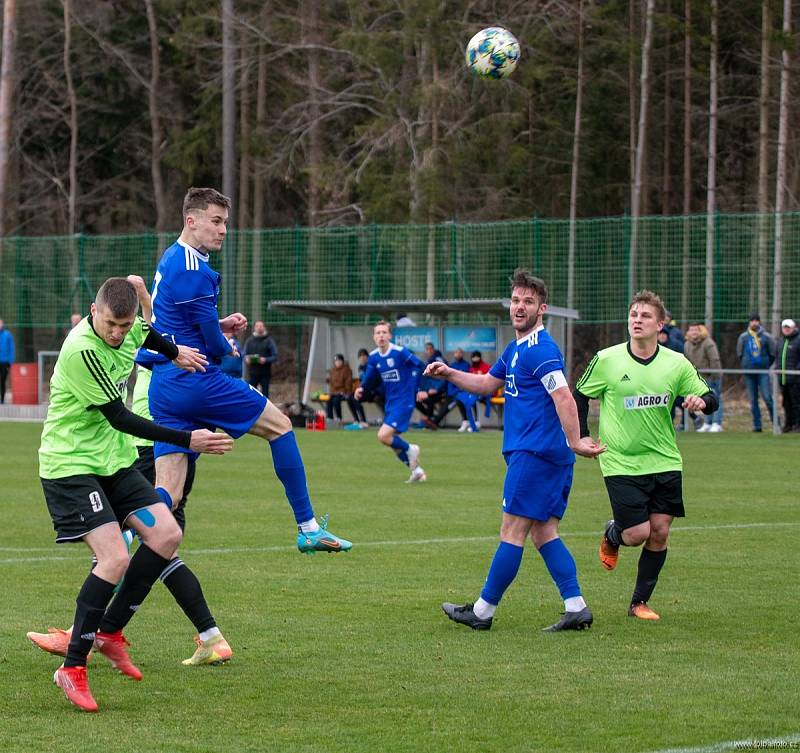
column 202, row 198
column 383, row 323
column 363, row 352
column 649, row 298
column 522, row 278
column 118, row 296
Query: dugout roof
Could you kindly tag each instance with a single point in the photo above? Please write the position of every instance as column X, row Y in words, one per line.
column 387, row 308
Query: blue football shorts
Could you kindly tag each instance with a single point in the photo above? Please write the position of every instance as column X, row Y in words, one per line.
column 535, row 488
column 210, row 400
column 398, row 416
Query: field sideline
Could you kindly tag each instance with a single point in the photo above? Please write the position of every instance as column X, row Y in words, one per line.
column 351, row 651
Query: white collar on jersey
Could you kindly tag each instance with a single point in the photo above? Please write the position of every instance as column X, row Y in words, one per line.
column 532, row 337
column 199, row 254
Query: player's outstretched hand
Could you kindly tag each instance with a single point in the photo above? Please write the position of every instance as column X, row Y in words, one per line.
column 588, row 448
column 190, row 359
column 437, row 370
column 207, row 441
column 358, row 393
column 233, row 324
column 694, row 404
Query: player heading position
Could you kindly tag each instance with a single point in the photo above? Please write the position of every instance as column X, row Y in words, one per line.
column 185, row 292
column 86, row 461
column 636, row 382
column 399, row 370
column 540, row 438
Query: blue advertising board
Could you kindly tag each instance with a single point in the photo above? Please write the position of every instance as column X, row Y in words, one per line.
column 470, row 338
column 414, row 338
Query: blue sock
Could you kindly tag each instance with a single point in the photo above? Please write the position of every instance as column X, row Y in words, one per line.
column 165, row 496
column 292, row 474
column 562, row 568
column 503, row 570
column 398, row 443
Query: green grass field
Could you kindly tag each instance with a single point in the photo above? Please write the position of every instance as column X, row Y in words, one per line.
column 352, row 652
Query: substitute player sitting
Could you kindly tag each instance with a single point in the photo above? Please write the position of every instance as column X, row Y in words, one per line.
column 399, row 370
column 184, row 295
column 540, row 438
column 636, row 382
column 86, row 464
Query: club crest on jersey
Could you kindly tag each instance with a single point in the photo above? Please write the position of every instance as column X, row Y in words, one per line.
column 511, row 385
column 390, row 361
column 638, row 402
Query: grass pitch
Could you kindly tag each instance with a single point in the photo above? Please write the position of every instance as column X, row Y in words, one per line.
column 352, row 652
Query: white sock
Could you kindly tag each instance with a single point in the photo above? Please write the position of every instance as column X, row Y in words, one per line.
column 483, row 609
column 210, row 633
column 574, row 604
column 310, row 526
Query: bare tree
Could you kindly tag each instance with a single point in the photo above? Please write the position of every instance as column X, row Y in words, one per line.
column 711, row 195
column 72, row 99
column 687, row 155
column 259, row 179
column 156, row 133
column 228, row 102
column 6, row 101
column 641, row 142
column 573, row 191
column 780, row 180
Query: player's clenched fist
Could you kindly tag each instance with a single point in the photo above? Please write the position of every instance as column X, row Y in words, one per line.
column 207, row 441
column 437, row 370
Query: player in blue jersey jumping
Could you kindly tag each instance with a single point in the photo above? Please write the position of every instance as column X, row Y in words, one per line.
column 540, row 438
column 184, row 298
column 399, row 370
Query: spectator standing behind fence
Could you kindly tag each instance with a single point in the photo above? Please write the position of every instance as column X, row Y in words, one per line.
column 435, row 389
column 455, row 396
column 340, row 387
column 755, row 349
column 260, row 353
column 674, row 337
column 231, row 364
column 790, row 383
column 6, row 357
column 703, row 354
column 367, row 396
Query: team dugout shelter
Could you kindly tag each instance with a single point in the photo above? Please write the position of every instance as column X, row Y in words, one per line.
column 477, row 324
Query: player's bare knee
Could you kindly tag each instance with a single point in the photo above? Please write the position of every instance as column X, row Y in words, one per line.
column 112, row 567
column 637, row 535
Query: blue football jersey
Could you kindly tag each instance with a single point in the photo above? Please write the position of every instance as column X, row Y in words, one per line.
column 399, row 371
column 184, row 295
column 530, row 420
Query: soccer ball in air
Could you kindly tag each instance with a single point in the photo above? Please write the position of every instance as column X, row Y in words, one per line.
column 492, row 53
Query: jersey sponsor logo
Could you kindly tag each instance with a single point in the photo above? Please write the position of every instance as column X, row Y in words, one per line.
column 393, row 375
column 95, row 501
column 511, row 386
column 638, row 402
column 625, row 378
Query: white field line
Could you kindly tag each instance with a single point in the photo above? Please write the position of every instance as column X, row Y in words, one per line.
column 80, row 552
column 789, row 742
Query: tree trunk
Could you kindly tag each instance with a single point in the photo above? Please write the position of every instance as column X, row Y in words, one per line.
column 573, row 190
column 259, row 178
column 631, row 98
column 687, row 156
column 156, row 135
column 711, row 195
column 229, row 140
column 6, row 103
column 780, row 181
column 72, row 99
column 641, row 143
column 666, row 167
column 760, row 301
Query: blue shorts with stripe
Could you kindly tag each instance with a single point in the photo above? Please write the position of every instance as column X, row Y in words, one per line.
column 398, row 416
column 535, row 488
column 210, row 400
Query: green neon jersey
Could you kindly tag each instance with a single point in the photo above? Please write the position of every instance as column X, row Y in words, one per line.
column 635, row 401
column 77, row 439
column 141, row 403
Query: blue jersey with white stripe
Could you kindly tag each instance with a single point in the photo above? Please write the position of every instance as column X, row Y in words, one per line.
column 184, row 295
column 530, row 419
column 399, row 371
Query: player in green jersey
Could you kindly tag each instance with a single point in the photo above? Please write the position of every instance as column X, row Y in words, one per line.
column 636, row 383
column 86, row 463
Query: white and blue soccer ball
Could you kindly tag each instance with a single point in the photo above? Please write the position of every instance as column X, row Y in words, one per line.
column 492, row 53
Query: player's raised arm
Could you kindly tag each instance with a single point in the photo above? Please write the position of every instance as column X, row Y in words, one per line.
column 143, row 295
column 478, row 384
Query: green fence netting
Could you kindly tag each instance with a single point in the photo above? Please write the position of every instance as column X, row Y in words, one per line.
column 43, row 280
